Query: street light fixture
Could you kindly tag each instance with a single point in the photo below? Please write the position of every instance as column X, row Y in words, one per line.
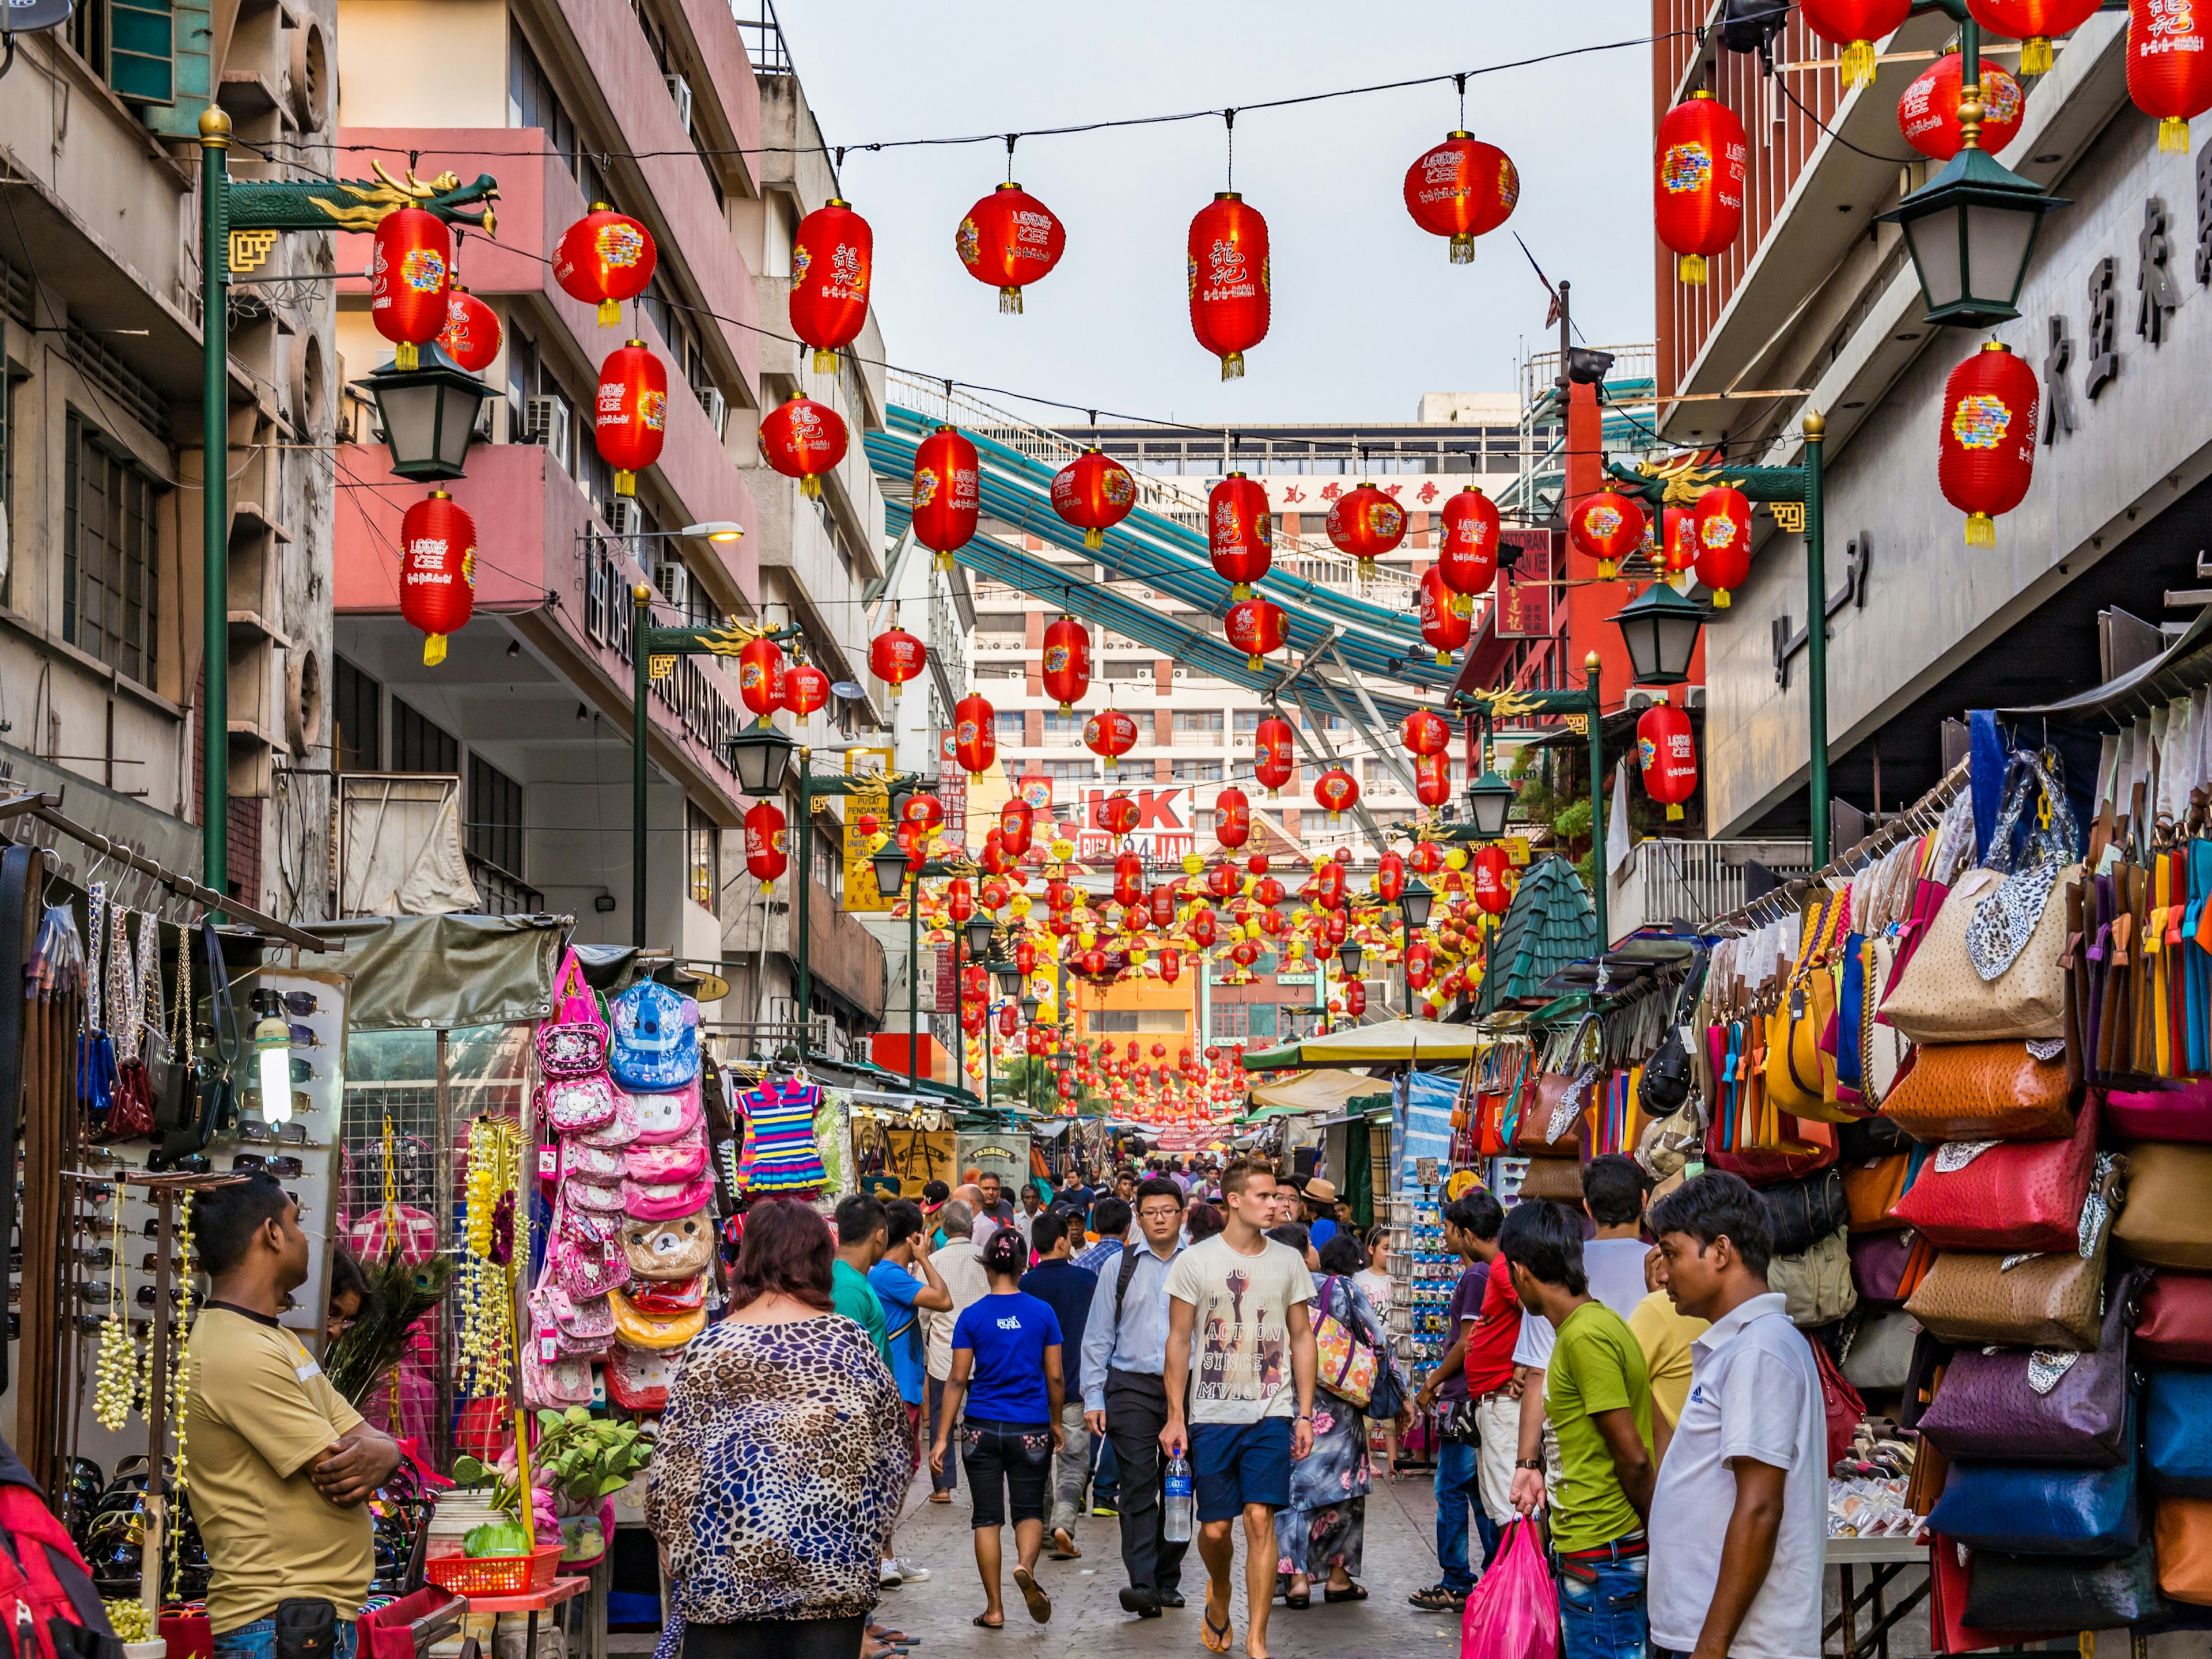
column 1489, row 799
column 889, row 862
column 761, row 759
column 1660, row 628
column 1008, row 976
column 1415, row 902
column 1971, row 229
column 979, row 929
column 427, row 415
column 1348, row 955
column 1029, row 1005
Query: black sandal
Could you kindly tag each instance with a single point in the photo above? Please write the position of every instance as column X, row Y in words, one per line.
column 1356, row 1593
column 1301, row 1602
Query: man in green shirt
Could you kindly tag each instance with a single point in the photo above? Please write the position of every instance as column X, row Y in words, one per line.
column 1598, row 1396
column 864, row 1233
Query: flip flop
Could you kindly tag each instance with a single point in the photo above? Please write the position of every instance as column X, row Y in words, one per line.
column 1300, row 1602
column 1212, row 1646
column 982, row 1621
column 1063, row 1545
column 1033, row 1596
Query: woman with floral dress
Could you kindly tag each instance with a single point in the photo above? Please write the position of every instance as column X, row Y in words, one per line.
column 1324, row 1530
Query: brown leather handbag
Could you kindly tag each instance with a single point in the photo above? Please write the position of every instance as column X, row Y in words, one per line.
column 1558, row 1179
column 2050, row 1301
column 2183, row 1536
column 1550, row 1123
column 2168, row 1219
column 1940, row 998
column 1982, row 1091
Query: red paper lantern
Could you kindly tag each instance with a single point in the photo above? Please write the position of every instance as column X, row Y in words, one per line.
column 1720, row 532
column 896, row 656
column 959, row 900
column 1093, row 492
column 1355, row 998
column 1117, row 813
column 1226, row 265
column 766, row 858
column 437, row 570
column 1338, row 791
column 2169, row 69
column 1111, row 734
column 1462, row 189
column 1467, row 557
column 1272, row 762
column 1667, row 753
column 1608, row 527
column 974, row 734
column 1067, row 673
column 833, row 255
column 802, row 440
column 947, row 493
column 632, row 418
column 1255, row 628
column 1927, row 114
column 1221, row 881
column 805, row 689
column 1428, row 858
column 1491, row 867
column 920, row 816
column 1240, row 533
column 1161, row 902
column 2032, row 23
column 1442, row 626
column 1425, row 732
column 1232, row 817
column 1390, row 877
column 410, row 269
column 1268, row 892
column 1257, row 864
column 1009, row 239
column 1698, row 183
column 1855, row 25
column 761, row 684
column 1988, row 439
column 1026, row 955
column 1015, row 827
column 1009, row 1020
column 1201, row 929
column 1432, row 779
column 471, row 337
column 1128, row 878
column 603, row 259
column 1418, row 958
column 1366, row 524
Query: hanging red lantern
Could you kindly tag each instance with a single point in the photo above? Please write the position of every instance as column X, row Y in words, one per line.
column 1677, row 541
column 1240, row 533
column 1232, row 817
column 1067, row 662
column 805, row 689
column 1490, row 868
column 760, row 684
column 1015, row 826
column 1271, row 755
column 1161, row 902
column 1697, row 184
column 947, row 493
column 1366, row 524
column 1111, row 734
column 1025, row 956
column 2169, row 69
column 959, row 900
column 1255, row 628
column 896, row 656
column 1337, row 791
column 410, row 271
column 974, row 734
column 1329, row 877
column 1667, row 753
column 1390, row 877
column 1467, row 557
column 1608, row 527
column 1432, row 779
column 1009, row 1020
column 603, row 259
column 471, row 337
column 1268, row 892
column 1988, row 439
column 1355, row 998
column 1008, row 239
column 765, row 833
column 1221, row 881
column 1428, row 858
column 1442, row 626
column 1721, row 531
column 1462, row 189
column 1257, row 864
column 437, row 570
column 1094, row 492
column 921, row 815
column 631, row 421
column 1272, row 923
column 1117, row 813
column 833, row 255
column 1226, row 265
column 1927, row 114
column 1419, row 957
column 1425, row 732
column 1855, row 25
column 2033, row 23
column 1201, row 929
column 992, row 895
column 802, row 440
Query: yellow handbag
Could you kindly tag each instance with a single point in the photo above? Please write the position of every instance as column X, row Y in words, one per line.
column 646, row 1330
column 1794, row 1060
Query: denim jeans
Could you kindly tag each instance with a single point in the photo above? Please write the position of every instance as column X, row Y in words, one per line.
column 1602, row 1608
column 1456, row 1494
column 258, row 1641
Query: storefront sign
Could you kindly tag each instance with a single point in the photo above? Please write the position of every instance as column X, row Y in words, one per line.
column 861, row 894
column 1524, row 593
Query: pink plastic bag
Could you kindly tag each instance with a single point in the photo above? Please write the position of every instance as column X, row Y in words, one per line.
column 1514, row 1612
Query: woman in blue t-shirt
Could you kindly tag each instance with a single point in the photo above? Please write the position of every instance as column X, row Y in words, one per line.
column 1005, row 1360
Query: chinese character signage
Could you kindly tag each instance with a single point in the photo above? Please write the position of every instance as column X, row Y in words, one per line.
column 1524, row 593
column 861, row 894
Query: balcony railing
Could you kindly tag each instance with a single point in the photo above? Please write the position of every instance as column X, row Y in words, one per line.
column 1695, row 881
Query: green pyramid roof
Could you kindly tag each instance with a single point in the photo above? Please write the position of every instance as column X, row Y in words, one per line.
column 1550, row 923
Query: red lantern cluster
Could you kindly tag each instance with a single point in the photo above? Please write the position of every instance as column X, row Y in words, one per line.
column 631, row 421
column 471, row 337
column 1067, row 662
column 1720, row 529
column 947, row 503
column 1366, row 524
column 1272, row 761
column 1467, row 557
column 896, row 656
column 1462, row 189
column 1240, row 535
column 1111, row 734
column 833, row 255
column 1094, row 492
column 1927, row 114
column 1442, row 625
column 1608, row 527
column 765, row 833
column 1010, row 239
column 603, row 259
column 1255, row 627
column 1697, row 184
column 2032, row 23
column 2169, row 68
column 760, row 684
column 1988, row 440
column 410, row 269
column 1226, row 267
column 802, row 439
column 437, row 570
column 1855, row 25
column 974, row 734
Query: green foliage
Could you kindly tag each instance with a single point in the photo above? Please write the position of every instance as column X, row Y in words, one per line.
column 1016, row 1076
column 579, row 1456
column 399, row 1293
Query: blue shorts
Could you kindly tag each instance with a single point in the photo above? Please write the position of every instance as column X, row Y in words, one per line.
column 1240, row 1463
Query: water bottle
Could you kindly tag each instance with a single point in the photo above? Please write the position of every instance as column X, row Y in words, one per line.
column 1180, row 1505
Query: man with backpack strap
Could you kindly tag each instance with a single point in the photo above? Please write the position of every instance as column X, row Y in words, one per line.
column 1125, row 1346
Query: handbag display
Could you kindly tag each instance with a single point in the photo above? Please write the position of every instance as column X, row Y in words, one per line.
column 667, row 1200
column 573, row 1042
column 1941, row 997
column 1552, row 1115
column 2059, row 1594
column 1870, row 1192
column 2034, row 1509
column 1816, row 1283
column 2181, row 1529
column 1795, row 1063
column 617, row 1131
column 638, row 1328
column 2026, row 1301
column 2168, row 1219
column 671, row 1296
column 1798, row 1212
column 1950, row 1568
column 1882, row 1047
column 678, row 1249
column 2181, row 1114
column 654, row 1045
column 668, row 1115
column 638, row 1379
column 2020, row 1405
column 1878, row 1265
column 1880, row 1353
column 2176, row 1327
column 1982, row 1091
column 575, row 1105
column 1558, row 1179
column 554, row 1385
column 2178, row 1431
column 1347, row 1366
column 2005, row 1195
column 1670, row 1072
column 676, row 1160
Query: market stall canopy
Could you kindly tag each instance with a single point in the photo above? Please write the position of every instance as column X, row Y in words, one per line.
column 1392, row 1042
column 1550, row 923
column 445, row 972
column 1308, row 1091
column 2183, row 667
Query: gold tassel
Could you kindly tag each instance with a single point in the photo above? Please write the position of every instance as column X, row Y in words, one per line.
column 1232, row 366
column 895, row 689
column 1462, row 249
column 944, row 562
column 1463, row 604
column 625, row 483
column 433, row 650
column 1721, row 600
column 1981, row 530
column 1606, row 568
column 1855, row 67
column 811, row 487
column 1443, row 660
column 2174, row 136
column 1010, row 302
column 1240, row 590
column 406, row 358
column 610, row 313
column 1255, row 663
column 1690, row 268
column 2035, row 55
column 1673, row 812
column 1094, row 539
column 825, row 362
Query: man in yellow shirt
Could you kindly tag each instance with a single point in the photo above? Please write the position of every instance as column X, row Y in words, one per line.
column 1665, row 1334
column 282, row 1467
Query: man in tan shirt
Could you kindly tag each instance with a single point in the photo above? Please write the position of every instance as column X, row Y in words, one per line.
column 282, row 1467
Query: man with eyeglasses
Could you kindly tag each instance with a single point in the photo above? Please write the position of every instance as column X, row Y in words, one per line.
column 1125, row 1345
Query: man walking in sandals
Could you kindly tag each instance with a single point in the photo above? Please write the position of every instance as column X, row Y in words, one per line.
column 1251, row 1388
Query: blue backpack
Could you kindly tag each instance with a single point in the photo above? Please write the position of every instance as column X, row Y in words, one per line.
column 656, row 1038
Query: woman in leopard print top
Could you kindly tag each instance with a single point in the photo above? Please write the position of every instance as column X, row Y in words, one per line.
column 781, row 1459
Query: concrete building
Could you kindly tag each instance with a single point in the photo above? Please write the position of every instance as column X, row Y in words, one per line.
column 101, row 419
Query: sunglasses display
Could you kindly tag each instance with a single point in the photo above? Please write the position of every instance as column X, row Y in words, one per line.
column 285, row 1168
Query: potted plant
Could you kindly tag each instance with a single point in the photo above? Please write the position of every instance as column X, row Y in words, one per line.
column 579, row 1462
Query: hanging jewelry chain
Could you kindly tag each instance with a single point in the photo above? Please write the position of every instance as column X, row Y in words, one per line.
column 177, row 1391
column 122, row 985
column 180, row 1031
column 152, row 1016
column 487, row 1287
column 96, row 905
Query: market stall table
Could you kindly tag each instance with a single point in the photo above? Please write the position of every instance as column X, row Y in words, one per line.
column 533, row 1603
column 1887, row 1556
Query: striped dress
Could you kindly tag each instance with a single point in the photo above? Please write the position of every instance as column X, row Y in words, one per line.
column 780, row 1114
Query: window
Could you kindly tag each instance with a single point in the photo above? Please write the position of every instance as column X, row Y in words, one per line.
column 130, row 45
column 357, row 712
column 1009, row 722
column 1001, row 621
column 995, row 670
column 703, row 858
column 1198, row 719
column 829, row 866
column 1071, row 771
column 494, row 820
column 1202, row 820
column 531, row 101
column 1065, row 727
column 1232, row 1022
column 1248, row 720
column 1196, row 771
column 1262, row 1017
column 1125, row 668
column 1130, row 1021
column 108, row 585
column 419, row 746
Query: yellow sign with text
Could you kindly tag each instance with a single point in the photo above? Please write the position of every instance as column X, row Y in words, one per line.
column 871, row 800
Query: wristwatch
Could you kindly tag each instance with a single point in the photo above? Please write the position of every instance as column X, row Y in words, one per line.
column 1305, row 1416
column 1535, row 1463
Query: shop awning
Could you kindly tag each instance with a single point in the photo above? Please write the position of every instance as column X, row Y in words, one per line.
column 1307, row 1092
column 1391, row 1042
column 444, row 972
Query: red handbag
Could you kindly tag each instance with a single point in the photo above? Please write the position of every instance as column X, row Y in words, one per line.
column 2176, row 1328
column 2016, row 1195
column 1840, row 1403
column 1763, row 1166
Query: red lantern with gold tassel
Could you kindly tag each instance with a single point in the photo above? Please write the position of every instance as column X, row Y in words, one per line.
column 1390, row 877
column 1226, row 265
column 1232, row 817
column 802, row 439
column 1698, row 182
column 1467, row 556
column 1067, row 661
column 632, row 419
column 1128, row 878
column 805, row 689
column 1928, row 113
column 1490, row 868
column 1418, row 956
column 437, row 570
column 2169, row 69
column 1988, row 440
column 410, row 270
column 1272, row 761
column 1462, row 189
column 1425, row 732
column 1255, row 628
column 833, row 255
column 896, row 656
column 471, row 337
column 947, row 493
column 1171, row 966
column 1015, row 826
column 1355, row 998
column 761, row 684
column 766, row 830
column 2033, row 23
column 1240, row 533
column 1432, row 779
column 1855, row 25
column 1667, row 754
column 1336, row 791
column 1442, row 626
column 1094, row 492
column 921, row 815
column 1678, row 541
column 1111, row 734
column 1608, row 527
column 603, row 259
column 974, row 733
column 1009, row 240
column 1162, row 904
column 1720, row 529
column 1366, row 524
column 1201, row 929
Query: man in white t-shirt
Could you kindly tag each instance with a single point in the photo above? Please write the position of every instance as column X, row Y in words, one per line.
column 1739, row 1520
column 1237, row 1303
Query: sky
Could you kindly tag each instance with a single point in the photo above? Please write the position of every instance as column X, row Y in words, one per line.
column 1368, row 312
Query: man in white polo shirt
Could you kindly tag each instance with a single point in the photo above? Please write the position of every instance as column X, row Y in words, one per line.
column 1739, row 1520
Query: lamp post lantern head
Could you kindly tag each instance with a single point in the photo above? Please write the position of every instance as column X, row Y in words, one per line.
column 761, row 756
column 427, row 415
column 1489, row 799
column 1415, row 902
column 1660, row 628
column 979, row 929
column 1971, row 229
column 1348, row 956
column 889, row 863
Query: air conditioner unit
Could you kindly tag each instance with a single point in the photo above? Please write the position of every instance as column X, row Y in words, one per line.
column 545, row 420
column 624, row 517
column 680, row 90
column 674, row 581
column 717, row 408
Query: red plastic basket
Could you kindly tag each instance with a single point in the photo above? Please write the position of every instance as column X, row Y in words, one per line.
column 494, row 1575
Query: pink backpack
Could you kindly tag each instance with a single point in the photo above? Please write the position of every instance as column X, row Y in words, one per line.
column 573, row 1042
column 679, row 1160
column 668, row 1115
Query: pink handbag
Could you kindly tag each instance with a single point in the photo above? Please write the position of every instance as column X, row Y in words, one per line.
column 599, row 1164
column 554, row 1385
column 575, row 1105
column 2182, row 1114
column 618, row 1131
column 418, row 1238
column 638, row 1379
column 662, row 1118
column 587, row 1254
column 585, row 1328
column 663, row 1201
column 573, row 1042
column 609, row 1201
column 679, row 1160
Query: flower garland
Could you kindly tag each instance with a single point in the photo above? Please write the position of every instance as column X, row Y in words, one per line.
column 487, row 1344
column 115, row 1376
